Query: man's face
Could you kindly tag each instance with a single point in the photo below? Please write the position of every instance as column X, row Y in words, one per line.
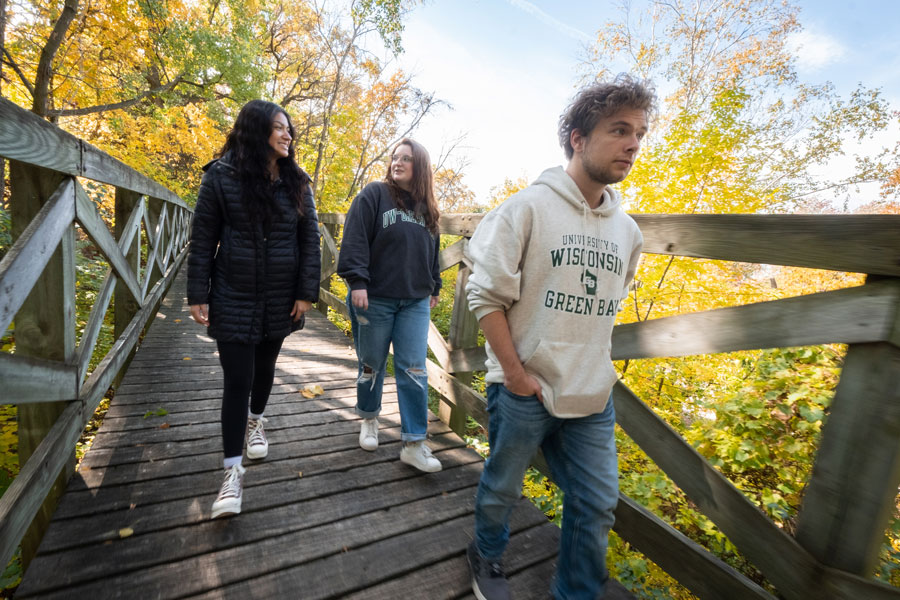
column 608, row 152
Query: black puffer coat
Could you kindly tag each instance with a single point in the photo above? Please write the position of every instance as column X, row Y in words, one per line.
column 249, row 279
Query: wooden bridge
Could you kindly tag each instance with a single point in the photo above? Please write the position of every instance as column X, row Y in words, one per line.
column 323, row 519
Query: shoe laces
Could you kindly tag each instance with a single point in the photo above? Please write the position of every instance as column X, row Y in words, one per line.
column 231, row 487
column 257, row 433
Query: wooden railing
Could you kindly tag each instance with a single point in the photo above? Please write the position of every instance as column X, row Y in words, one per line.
column 853, row 487
column 48, row 375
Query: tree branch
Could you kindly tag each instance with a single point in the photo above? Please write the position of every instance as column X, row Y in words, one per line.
column 41, row 95
column 77, row 112
column 9, row 60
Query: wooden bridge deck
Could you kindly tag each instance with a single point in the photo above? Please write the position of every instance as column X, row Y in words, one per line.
column 321, row 517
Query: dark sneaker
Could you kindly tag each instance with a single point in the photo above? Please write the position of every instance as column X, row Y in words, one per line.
column 488, row 580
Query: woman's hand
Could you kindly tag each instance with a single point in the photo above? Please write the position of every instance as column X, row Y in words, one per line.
column 200, row 313
column 434, row 301
column 300, row 307
column 360, row 299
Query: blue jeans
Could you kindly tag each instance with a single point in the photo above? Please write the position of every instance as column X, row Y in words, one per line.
column 405, row 323
column 582, row 457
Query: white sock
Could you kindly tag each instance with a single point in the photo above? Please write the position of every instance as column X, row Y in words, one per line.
column 256, row 417
column 231, row 461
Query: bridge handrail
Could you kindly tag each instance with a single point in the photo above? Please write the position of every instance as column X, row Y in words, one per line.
column 51, row 161
column 801, row 567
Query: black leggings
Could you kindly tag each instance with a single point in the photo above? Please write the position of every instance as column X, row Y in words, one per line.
column 249, row 372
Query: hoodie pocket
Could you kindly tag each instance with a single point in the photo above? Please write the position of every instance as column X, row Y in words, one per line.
column 576, row 379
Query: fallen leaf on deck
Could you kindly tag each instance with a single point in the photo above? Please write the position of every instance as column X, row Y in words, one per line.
column 164, row 426
column 178, row 320
column 299, row 473
column 311, row 391
column 126, row 532
column 186, row 358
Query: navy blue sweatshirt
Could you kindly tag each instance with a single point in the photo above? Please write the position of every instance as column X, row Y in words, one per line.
column 388, row 250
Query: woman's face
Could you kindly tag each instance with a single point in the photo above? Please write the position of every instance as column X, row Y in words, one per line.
column 402, row 166
column 280, row 138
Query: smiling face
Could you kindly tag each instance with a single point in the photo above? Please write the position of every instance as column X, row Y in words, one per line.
column 607, row 153
column 280, row 138
column 402, row 166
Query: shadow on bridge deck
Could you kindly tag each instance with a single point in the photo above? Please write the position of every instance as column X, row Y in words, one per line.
column 321, row 517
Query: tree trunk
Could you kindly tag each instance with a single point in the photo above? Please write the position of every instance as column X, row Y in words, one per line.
column 43, row 77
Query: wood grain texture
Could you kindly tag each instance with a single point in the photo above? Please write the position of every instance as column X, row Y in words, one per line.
column 855, row 243
column 25, row 260
column 861, row 314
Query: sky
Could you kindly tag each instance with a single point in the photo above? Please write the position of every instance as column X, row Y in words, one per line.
column 508, row 68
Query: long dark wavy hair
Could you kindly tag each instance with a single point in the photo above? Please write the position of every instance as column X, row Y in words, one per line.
column 421, row 188
column 250, row 153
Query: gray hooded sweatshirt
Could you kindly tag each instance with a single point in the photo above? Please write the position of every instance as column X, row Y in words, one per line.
column 560, row 271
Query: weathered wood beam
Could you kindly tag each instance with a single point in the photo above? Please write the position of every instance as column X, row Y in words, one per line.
column 853, row 488
column 460, row 224
column 86, row 214
column 467, row 359
column 28, row 380
column 790, row 568
column 457, row 393
column 855, row 243
column 859, row 314
column 453, row 254
column 334, row 302
column 25, row 137
column 692, row 565
column 25, row 260
column 24, row 497
column 437, row 345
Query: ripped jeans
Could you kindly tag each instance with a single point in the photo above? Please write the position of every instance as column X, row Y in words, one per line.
column 405, row 323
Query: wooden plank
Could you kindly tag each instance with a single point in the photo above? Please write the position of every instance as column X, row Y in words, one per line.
column 86, row 214
column 22, row 500
column 453, row 254
column 437, row 345
column 334, row 302
column 467, row 359
column 801, row 321
column 67, row 246
column 855, row 243
column 28, row 380
column 852, row 492
column 25, row 260
column 332, row 218
column 157, row 237
column 463, row 334
column 450, row 577
column 24, row 136
column 274, row 497
column 457, row 393
column 393, row 556
column 460, row 224
column 200, row 562
column 689, row 563
column 793, row 571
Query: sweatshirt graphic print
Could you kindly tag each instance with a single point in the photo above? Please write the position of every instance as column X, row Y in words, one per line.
column 560, row 271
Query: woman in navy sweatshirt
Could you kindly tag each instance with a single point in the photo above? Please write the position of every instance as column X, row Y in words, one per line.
column 389, row 257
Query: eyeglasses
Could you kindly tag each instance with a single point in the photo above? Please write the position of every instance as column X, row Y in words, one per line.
column 405, row 158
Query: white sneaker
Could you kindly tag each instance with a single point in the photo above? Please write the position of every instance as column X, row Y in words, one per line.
column 229, row 500
column 257, row 444
column 418, row 455
column 368, row 435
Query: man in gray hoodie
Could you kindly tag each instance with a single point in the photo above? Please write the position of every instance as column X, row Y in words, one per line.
column 551, row 267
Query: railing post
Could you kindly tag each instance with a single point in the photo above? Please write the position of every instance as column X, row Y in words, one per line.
column 463, row 334
column 853, row 488
column 328, row 259
column 124, row 305
column 43, row 329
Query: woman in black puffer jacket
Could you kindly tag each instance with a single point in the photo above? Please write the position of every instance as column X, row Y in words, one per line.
column 253, row 271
